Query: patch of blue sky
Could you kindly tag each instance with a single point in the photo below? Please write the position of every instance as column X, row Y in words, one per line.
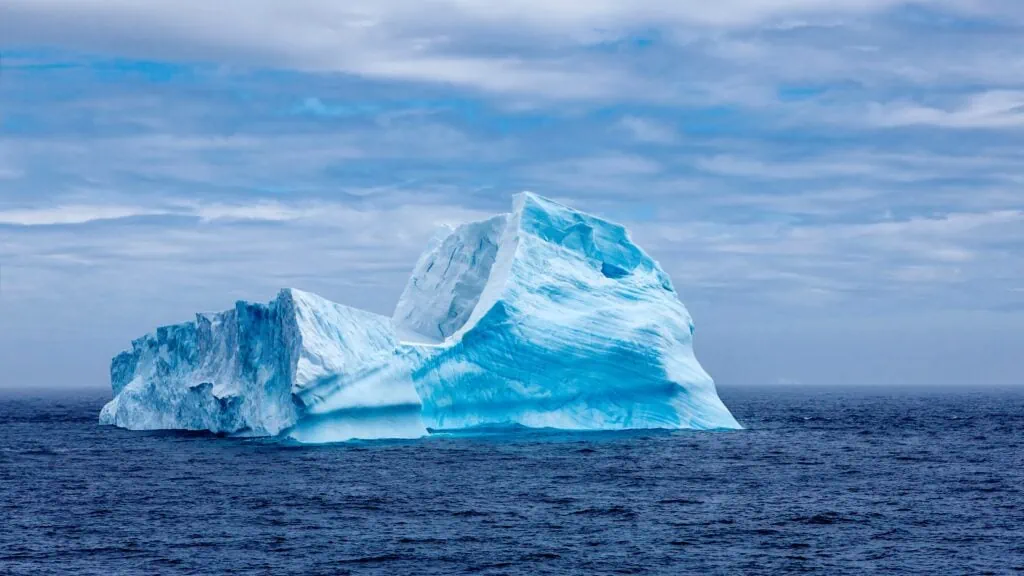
column 799, row 93
column 103, row 67
column 120, row 69
column 15, row 124
column 721, row 120
column 616, row 41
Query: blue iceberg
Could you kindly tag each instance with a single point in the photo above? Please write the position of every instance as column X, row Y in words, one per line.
column 300, row 365
column 548, row 317
column 544, row 317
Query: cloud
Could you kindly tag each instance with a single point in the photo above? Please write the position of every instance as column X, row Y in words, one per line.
column 262, row 211
column 316, row 107
column 199, row 160
column 560, row 79
column 991, row 109
column 213, row 213
column 81, row 214
column 340, row 249
column 959, row 259
column 9, row 173
column 863, row 165
column 648, row 131
column 392, row 40
column 769, row 153
column 808, row 169
column 525, row 49
column 65, row 215
column 218, row 249
column 601, row 172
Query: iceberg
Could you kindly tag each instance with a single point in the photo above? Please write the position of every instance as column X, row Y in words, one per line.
column 542, row 317
column 301, row 366
column 550, row 317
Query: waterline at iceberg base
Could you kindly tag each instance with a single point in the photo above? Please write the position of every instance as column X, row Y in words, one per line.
column 543, row 317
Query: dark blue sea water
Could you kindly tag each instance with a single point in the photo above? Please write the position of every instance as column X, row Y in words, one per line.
column 822, row 481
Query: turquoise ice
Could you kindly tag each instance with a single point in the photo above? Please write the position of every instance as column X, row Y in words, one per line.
column 300, row 365
column 543, row 317
column 549, row 317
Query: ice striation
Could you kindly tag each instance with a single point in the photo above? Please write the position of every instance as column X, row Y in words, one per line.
column 566, row 324
column 544, row 317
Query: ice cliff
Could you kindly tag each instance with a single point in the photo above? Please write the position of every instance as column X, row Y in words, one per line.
column 549, row 317
column 300, row 364
column 544, row 317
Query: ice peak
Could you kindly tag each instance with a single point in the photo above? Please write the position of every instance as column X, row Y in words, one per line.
column 607, row 245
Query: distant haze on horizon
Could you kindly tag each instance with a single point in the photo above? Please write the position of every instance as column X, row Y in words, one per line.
column 835, row 186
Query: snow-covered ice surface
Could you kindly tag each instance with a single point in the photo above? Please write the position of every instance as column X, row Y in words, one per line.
column 544, row 317
column 447, row 282
column 574, row 327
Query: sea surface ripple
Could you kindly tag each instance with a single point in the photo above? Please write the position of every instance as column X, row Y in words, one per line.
column 822, row 481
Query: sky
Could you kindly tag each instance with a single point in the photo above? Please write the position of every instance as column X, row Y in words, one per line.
column 835, row 186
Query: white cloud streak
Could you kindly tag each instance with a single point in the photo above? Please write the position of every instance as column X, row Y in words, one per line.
column 992, row 109
column 71, row 214
column 648, row 131
column 212, row 213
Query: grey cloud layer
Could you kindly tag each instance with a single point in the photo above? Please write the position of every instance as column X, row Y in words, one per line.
column 788, row 161
column 728, row 51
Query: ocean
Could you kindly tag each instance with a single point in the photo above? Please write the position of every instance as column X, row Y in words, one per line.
column 822, row 481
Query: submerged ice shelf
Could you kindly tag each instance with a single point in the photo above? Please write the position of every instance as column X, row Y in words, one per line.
column 544, row 317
